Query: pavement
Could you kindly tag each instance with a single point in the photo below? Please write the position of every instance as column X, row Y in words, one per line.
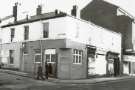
column 80, row 81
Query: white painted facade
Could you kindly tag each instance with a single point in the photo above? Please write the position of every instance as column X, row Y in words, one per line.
column 70, row 28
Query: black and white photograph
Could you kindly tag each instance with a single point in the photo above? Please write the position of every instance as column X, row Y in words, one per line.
column 67, row 45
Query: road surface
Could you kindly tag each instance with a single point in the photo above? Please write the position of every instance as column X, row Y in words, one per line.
column 14, row 82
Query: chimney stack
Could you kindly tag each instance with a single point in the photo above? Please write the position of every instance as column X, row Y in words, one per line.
column 74, row 11
column 39, row 10
column 15, row 12
column 56, row 12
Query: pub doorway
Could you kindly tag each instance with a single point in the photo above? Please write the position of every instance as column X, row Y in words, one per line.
column 91, row 61
column 50, row 59
column 113, row 64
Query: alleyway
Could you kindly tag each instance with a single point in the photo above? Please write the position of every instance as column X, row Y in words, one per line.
column 14, row 82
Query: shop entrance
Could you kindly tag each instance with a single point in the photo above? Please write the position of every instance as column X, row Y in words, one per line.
column 91, row 60
column 51, row 61
column 113, row 64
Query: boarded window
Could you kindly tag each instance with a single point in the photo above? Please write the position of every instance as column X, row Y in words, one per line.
column 26, row 32
column 50, row 55
column 45, row 30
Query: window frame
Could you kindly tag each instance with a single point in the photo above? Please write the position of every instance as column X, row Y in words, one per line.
column 76, row 56
column 35, row 57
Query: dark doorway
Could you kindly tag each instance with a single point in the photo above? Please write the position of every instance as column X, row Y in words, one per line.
column 116, row 66
column 113, row 60
column 51, row 61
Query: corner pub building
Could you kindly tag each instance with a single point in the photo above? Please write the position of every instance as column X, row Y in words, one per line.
column 72, row 47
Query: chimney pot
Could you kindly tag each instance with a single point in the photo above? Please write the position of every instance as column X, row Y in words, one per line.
column 39, row 10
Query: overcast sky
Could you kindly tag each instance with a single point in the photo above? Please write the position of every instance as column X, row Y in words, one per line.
column 28, row 6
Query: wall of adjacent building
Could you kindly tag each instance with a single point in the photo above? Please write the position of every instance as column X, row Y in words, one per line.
column 5, row 56
column 88, row 33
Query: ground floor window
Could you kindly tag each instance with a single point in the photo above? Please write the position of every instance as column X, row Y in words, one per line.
column 77, row 56
column 50, row 55
column 37, row 56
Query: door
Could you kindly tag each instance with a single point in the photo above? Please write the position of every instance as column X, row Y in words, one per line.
column 116, row 66
column 50, row 58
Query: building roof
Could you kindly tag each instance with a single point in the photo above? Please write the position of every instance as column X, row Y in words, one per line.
column 34, row 18
column 108, row 4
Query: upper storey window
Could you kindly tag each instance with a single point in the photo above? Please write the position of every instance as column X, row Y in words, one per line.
column 26, row 32
column 12, row 34
column 45, row 30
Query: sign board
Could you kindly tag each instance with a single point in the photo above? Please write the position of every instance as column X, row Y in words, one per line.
column 50, row 51
column 129, row 58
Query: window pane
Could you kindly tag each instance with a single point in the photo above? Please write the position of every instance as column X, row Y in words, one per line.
column 73, row 58
column 77, row 56
column 74, row 51
column 11, row 60
column 53, row 58
column 48, row 57
column 37, row 58
column 45, row 30
column 76, row 59
column 80, row 59
column 80, row 52
column 77, row 51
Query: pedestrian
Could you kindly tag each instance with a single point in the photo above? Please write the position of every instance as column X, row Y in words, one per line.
column 46, row 70
column 40, row 73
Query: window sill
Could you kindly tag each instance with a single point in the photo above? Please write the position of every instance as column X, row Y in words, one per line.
column 77, row 63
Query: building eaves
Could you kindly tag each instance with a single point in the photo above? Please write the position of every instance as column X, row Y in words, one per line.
column 35, row 18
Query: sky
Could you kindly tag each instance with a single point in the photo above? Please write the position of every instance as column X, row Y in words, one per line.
column 29, row 6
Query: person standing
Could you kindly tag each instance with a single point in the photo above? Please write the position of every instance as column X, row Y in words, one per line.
column 46, row 70
column 40, row 73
